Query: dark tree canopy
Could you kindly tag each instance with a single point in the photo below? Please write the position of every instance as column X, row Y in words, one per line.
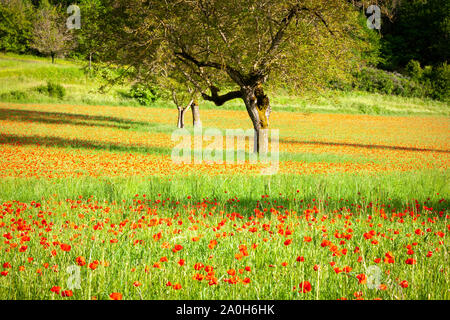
column 420, row 30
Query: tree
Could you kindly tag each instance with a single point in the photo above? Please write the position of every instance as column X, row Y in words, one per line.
column 90, row 10
column 174, row 79
column 50, row 34
column 182, row 94
column 15, row 25
column 239, row 45
column 419, row 31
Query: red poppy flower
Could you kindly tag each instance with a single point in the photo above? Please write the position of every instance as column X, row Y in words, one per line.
column 389, row 258
column 176, row 286
column 212, row 244
column 177, row 248
column 231, row 272
column 67, row 293
column 198, row 266
column 305, row 287
column 81, row 261
column 55, row 289
column 362, row 278
column 116, row 296
column 93, row 265
column 347, row 269
column 65, row 247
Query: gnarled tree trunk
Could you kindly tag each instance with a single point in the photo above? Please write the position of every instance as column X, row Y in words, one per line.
column 258, row 108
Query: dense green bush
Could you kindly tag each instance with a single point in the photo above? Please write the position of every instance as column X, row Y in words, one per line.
column 380, row 81
column 15, row 95
column 53, row 90
column 413, row 70
column 144, row 94
column 436, row 79
column 439, row 80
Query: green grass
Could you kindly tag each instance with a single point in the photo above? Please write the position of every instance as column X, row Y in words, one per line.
column 24, row 74
column 129, row 261
column 21, row 75
column 399, row 188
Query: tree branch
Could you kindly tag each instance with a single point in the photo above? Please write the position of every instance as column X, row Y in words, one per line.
column 284, row 24
column 220, row 100
column 233, row 73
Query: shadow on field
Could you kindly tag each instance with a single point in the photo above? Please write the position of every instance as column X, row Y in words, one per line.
column 67, row 118
column 368, row 146
column 16, row 140
column 246, row 206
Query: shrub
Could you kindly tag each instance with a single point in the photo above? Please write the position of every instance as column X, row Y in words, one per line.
column 439, row 77
column 53, row 90
column 435, row 79
column 56, row 90
column 144, row 94
column 380, row 81
column 413, row 70
column 15, row 95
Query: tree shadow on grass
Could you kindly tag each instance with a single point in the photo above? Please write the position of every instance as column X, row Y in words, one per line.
column 367, row 146
column 246, row 206
column 68, row 118
column 16, row 140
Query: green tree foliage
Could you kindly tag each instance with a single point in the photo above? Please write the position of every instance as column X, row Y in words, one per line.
column 435, row 79
column 91, row 11
column 370, row 53
column 15, row 25
column 420, row 31
column 50, row 35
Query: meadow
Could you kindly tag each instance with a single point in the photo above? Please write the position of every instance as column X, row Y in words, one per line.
column 92, row 207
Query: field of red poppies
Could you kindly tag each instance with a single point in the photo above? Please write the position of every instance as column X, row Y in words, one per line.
column 92, row 207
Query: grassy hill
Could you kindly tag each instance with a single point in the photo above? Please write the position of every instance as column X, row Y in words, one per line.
column 21, row 76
